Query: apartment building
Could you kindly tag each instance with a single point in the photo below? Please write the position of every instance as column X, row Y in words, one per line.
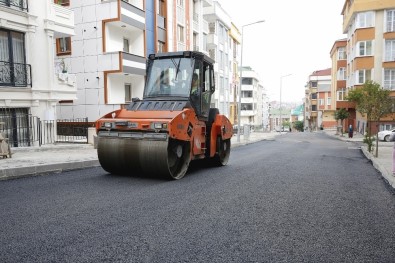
column 251, row 112
column 235, row 36
column 370, row 29
column 318, row 99
column 338, row 56
column 31, row 82
column 107, row 55
column 219, row 48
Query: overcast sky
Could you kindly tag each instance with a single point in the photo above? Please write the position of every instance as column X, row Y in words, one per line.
column 296, row 38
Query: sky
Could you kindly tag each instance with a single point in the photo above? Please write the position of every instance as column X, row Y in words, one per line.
column 296, row 38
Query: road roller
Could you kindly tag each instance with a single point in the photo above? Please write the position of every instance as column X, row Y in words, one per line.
column 171, row 125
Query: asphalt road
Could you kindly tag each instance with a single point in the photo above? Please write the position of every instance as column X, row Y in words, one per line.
column 303, row 197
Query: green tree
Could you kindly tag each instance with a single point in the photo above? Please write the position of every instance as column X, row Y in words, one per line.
column 298, row 125
column 341, row 115
column 374, row 102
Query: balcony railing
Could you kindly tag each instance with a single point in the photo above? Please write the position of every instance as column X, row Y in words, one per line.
column 15, row 74
column 16, row 4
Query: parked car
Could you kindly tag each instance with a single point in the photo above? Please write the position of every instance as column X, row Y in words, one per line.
column 385, row 135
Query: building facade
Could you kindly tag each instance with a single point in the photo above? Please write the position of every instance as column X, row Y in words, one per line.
column 31, row 79
column 370, row 29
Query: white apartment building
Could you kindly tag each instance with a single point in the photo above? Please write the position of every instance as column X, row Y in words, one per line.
column 219, row 45
column 107, row 54
column 251, row 99
column 30, row 85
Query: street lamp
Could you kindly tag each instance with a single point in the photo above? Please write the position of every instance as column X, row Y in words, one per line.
column 241, row 78
column 281, row 87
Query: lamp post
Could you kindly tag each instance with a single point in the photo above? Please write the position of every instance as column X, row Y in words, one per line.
column 281, row 87
column 241, row 78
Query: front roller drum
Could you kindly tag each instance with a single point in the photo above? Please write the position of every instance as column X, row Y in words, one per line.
column 168, row 159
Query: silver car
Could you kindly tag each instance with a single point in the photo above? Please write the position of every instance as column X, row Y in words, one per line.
column 385, row 135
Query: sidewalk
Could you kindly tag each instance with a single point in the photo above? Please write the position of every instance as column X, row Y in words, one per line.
column 383, row 163
column 32, row 161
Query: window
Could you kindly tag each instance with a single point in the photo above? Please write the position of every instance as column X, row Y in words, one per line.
column 246, row 106
column 341, row 74
column 314, row 84
column 161, row 46
column 246, row 94
column 247, row 81
column 63, row 46
column 390, row 21
column 389, row 51
column 128, row 92
column 328, row 101
column 389, row 79
column 365, row 19
column 13, row 68
column 363, row 75
column 341, row 53
column 180, row 3
column 126, row 45
column 161, row 8
column 341, row 94
column 180, row 33
column 364, row 48
column 62, row 2
column 321, row 102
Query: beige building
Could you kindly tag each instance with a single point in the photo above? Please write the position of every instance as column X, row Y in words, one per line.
column 370, row 29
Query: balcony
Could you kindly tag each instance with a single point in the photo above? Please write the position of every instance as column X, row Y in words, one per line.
column 15, row 74
column 123, row 14
column 21, row 5
column 207, row 3
column 212, row 41
column 60, row 20
column 123, row 62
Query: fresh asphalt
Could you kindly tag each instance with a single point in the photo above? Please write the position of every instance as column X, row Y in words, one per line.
column 295, row 198
column 56, row 158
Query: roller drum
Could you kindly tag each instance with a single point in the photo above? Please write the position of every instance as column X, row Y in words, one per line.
column 168, row 158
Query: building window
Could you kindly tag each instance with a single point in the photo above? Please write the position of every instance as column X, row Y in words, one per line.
column 328, row 101
column 180, row 33
column 341, row 94
column 363, row 75
column 180, row 3
column 62, row 2
column 365, row 19
column 389, row 52
column 161, row 8
column 13, row 68
column 63, row 46
column 341, row 74
column 128, row 92
column 321, row 102
column 364, row 48
column 126, row 45
column 389, row 79
column 161, row 46
column 390, row 21
column 341, row 53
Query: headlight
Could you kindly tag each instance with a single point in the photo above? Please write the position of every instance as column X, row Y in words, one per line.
column 107, row 124
column 157, row 125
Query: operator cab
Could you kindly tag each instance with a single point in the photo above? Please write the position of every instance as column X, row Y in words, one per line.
column 181, row 76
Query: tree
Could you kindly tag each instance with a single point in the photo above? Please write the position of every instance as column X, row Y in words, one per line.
column 298, row 125
column 374, row 102
column 341, row 115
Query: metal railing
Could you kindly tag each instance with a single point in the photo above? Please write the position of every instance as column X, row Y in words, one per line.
column 16, row 4
column 15, row 74
column 27, row 130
